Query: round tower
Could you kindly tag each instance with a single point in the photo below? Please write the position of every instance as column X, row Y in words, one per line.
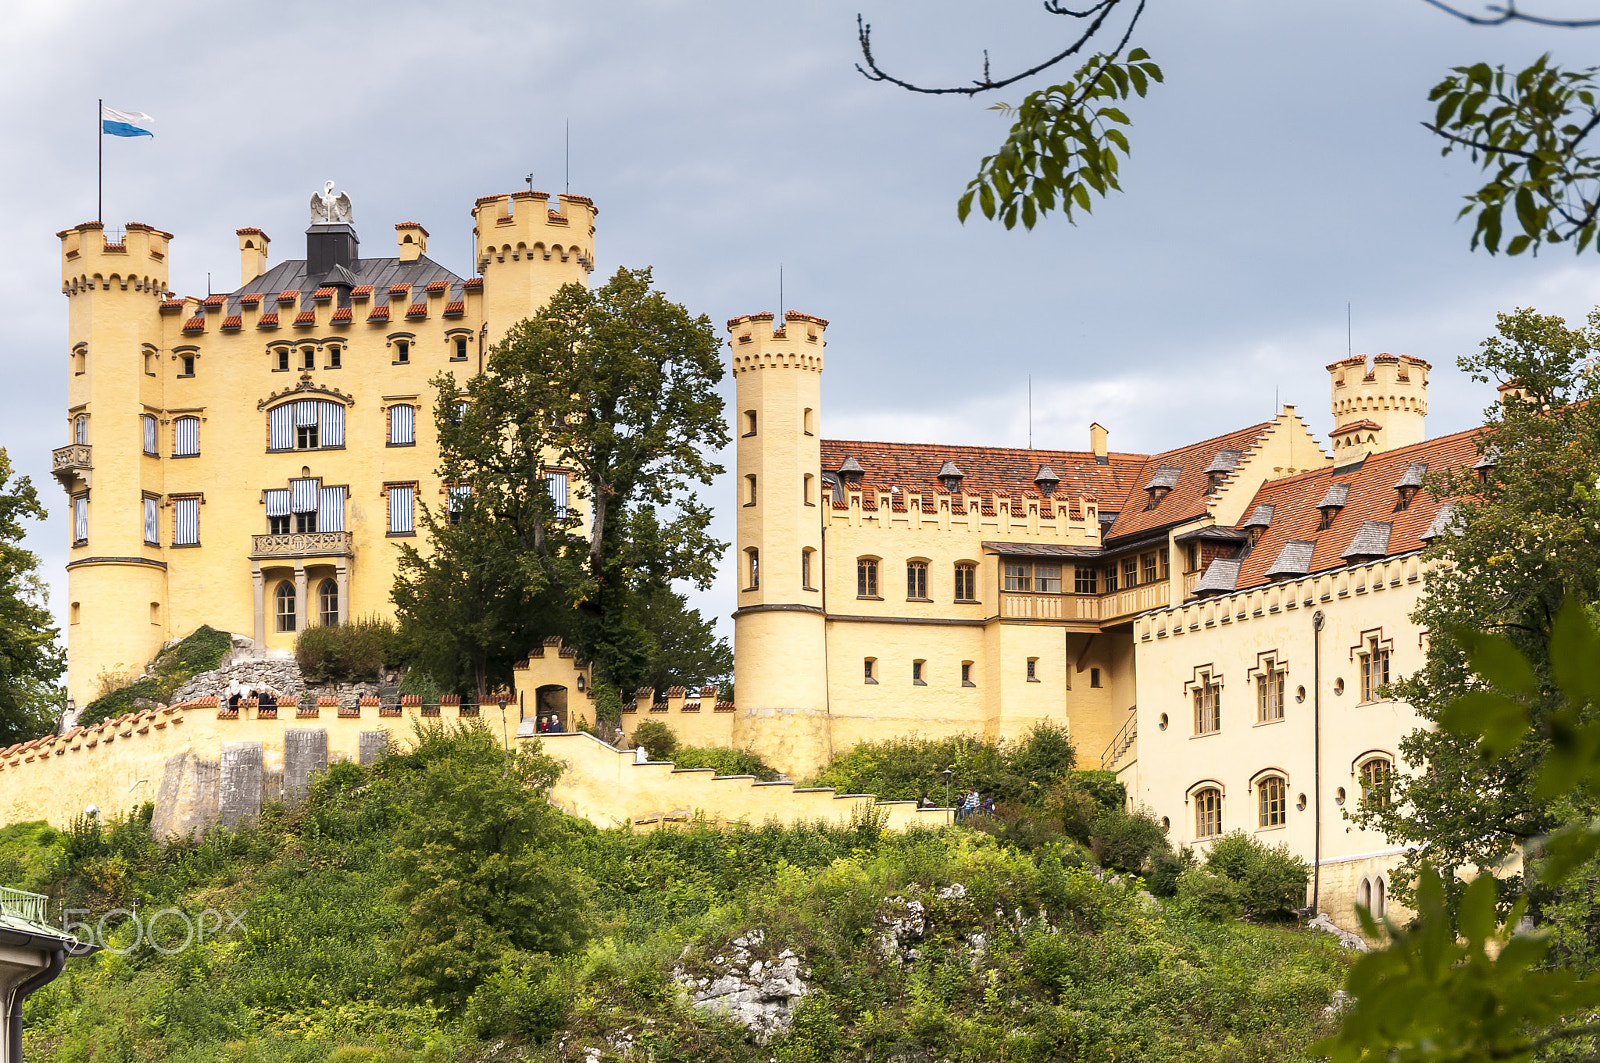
column 526, row 252
column 116, row 579
column 780, row 638
column 1380, row 408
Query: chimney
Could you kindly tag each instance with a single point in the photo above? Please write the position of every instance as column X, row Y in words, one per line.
column 330, row 244
column 252, row 254
column 413, row 240
column 1097, row 443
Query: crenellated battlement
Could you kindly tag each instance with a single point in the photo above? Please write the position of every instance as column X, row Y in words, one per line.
column 90, row 262
column 522, row 227
column 1377, row 407
column 795, row 344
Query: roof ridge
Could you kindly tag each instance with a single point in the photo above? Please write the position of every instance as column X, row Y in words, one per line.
column 979, row 446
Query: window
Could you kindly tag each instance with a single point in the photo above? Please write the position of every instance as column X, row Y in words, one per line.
column 1085, row 580
column 283, row 360
column 188, row 365
column 1191, row 557
column 805, row 422
column 308, row 358
column 461, row 348
column 333, row 356
column 1269, row 692
column 186, row 437
column 80, row 519
column 80, row 359
column 400, row 515
column 284, row 598
column 556, row 484
column 278, row 525
column 749, row 423
column 1208, row 813
column 966, row 582
column 1094, row 677
column 752, row 569
column 1147, row 567
column 867, row 577
column 1033, row 669
column 750, row 490
column 1272, row 802
column 917, row 580
column 1165, row 557
column 1130, row 572
column 1047, row 579
column 1207, row 706
column 330, row 509
column 306, row 424
column 1019, row 577
column 1374, row 670
column 80, row 428
column 966, row 674
column 402, row 426
column 186, row 522
column 305, row 436
column 456, row 501
column 149, row 424
column 867, row 667
column 805, row 569
column 1403, row 502
column 152, row 525
column 916, row 674
column 1374, row 777
column 402, row 351
column 1329, row 514
column 1111, row 578
column 328, row 602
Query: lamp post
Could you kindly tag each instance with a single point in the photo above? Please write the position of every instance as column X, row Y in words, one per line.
column 946, row 773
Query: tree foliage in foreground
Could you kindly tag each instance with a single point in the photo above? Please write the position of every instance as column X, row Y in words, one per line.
column 31, row 660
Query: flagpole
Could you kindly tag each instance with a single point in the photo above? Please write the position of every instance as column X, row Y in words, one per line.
column 100, row 169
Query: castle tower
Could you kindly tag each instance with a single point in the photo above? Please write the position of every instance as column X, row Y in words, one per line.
column 527, row 251
column 116, row 578
column 780, row 670
column 1380, row 408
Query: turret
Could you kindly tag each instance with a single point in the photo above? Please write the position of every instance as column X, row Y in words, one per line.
column 114, row 291
column 779, row 634
column 1380, row 408
column 526, row 252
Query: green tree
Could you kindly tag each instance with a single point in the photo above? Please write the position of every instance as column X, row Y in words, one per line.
column 1523, row 543
column 478, row 885
column 684, row 650
column 31, row 660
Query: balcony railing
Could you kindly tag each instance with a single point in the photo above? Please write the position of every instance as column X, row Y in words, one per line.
column 20, row 904
column 1018, row 605
column 1135, row 600
column 70, row 462
column 301, row 544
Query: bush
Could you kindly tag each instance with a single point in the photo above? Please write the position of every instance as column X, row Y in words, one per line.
column 1270, row 879
column 524, row 999
column 723, row 761
column 659, row 740
column 1129, row 841
column 341, row 653
column 908, row 768
column 174, row 666
column 1102, row 786
column 1210, row 896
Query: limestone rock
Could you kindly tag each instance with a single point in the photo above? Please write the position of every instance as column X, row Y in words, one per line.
column 1348, row 939
column 760, row 995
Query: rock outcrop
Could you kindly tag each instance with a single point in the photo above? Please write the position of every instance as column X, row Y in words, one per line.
column 758, row 994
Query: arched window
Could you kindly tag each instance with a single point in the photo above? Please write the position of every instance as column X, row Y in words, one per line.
column 866, row 577
column 80, row 428
column 966, row 581
column 1208, row 813
column 185, row 437
column 328, row 602
column 1364, row 894
column 916, row 580
column 284, row 597
column 752, row 566
column 1380, row 900
column 1273, row 801
column 1374, row 773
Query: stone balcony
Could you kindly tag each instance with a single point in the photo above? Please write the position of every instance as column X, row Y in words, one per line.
column 293, row 545
column 71, row 464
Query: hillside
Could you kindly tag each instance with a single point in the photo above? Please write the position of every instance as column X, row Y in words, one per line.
column 432, row 907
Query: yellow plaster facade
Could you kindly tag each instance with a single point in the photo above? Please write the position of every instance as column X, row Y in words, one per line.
column 188, row 419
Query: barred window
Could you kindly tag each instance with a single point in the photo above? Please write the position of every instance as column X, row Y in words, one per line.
column 1208, row 813
column 402, row 425
column 149, row 434
column 556, row 484
column 400, row 510
column 186, row 437
column 152, row 524
column 1273, row 801
column 186, row 522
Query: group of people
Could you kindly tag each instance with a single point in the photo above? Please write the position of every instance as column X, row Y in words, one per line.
column 550, row 725
column 970, row 805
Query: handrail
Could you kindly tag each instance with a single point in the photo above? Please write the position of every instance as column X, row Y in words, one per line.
column 20, row 904
column 1123, row 739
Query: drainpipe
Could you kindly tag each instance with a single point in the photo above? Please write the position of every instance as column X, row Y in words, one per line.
column 1317, row 620
column 58, row 959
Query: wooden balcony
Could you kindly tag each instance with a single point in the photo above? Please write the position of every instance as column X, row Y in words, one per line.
column 1135, row 600
column 1019, row 605
column 301, row 545
column 71, row 463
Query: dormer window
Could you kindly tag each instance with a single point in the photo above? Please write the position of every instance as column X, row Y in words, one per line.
column 950, row 476
column 850, row 472
column 1487, row 463
column 1045, row 480
column 1408, row 485
column 1221, row 468
column 1165, row 479
column 1331, row 504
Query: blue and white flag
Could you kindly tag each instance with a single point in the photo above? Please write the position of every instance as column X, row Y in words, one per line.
column 124, row 123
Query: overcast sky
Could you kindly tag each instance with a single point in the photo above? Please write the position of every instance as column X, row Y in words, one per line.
column 1279, row 174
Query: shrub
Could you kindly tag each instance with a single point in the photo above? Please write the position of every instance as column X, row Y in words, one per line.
column 524, row 999
column 174, row 666
column 340, row 653
column 724, row 761
column 1210, row 896
column 1271, row 880
column 1129, row 841
column 657, row 738
column 1102, row 786
column 910, row 767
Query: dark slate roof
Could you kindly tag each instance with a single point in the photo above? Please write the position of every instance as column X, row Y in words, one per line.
column 1491, row 458
column 1294, row 559
column 1166, row 476
column 381, row 273
column 1260, row 517
column 1337, row 496
column 1444, row 522
column 1046, row 475
column 850, row 464
column 949, row 469
column 1043, row 550
column 1414, row 473
column 1225, row 461
column 1371, row 541
column 1221, row 575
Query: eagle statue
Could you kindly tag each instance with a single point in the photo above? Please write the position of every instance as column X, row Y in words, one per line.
column 327, row 208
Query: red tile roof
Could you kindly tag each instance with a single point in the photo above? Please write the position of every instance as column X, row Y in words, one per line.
column 288, row 296
column 250, row 230
column 379, row 313
column 341, row 315
column 1187, row 498
column 361, row 291
column 325, row 292
column 139, row 226
column 232, row 321
column 1357, row 425
column 195, row 324
column 250, row 299
column 555, row 215
column 986, row 471
column 268, row 319
column 214, row 300
column 306, row 317
column 171, row 304
column 795, row 315
column 399, row 289
column 437, row 286
column 417, row 310
column 472, row 284
column 1372, row 497
column 410, row 225
column 577, row 199
column 455, row 308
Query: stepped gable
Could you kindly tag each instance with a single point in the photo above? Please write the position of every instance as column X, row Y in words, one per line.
column 1188, row 496
column 988, row 472
column 1372, row 497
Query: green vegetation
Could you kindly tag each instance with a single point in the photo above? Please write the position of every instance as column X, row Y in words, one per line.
column 434, row 907
column 341, row 653
column 31, row 661
column 173, row 667
column 660, row 742
column 1242, row 876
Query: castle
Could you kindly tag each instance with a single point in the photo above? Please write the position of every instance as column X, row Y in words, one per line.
column 250, row 460
column 1216, row 623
